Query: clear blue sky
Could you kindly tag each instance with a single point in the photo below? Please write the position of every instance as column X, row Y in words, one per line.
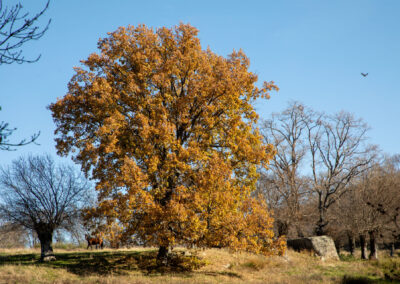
column 314, row 51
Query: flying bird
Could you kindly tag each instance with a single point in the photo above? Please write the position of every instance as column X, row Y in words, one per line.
column 364, row 74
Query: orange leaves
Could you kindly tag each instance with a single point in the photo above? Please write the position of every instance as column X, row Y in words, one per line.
column 169, row 133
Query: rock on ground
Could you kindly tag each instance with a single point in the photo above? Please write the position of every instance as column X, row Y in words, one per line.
column 322, row 246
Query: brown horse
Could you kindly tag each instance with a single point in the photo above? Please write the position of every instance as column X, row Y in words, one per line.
column 94, row 241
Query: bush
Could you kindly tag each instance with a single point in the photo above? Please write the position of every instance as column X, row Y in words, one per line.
column 177, row 262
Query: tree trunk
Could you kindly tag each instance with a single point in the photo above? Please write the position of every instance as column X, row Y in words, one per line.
column 392, row 249
column 45, row 235
column 372, row 245
column 162, row 256
column 352, row 243
column 363, row 247
column 337, row 245
column 45, row 239
column 321, row 224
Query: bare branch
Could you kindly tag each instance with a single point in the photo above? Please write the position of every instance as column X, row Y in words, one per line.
column 6, row 131
column 17, row 28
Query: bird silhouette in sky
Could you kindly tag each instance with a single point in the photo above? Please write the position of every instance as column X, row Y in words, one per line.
column 364, row 74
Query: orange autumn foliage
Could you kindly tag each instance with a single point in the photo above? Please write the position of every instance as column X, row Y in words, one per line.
column 168, row 132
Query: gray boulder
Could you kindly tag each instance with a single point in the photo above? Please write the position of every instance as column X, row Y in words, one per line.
column 323, row 246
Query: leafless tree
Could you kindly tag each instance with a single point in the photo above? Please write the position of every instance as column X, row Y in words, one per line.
column 283, row 184
column 370, row 207
column 17, row 28
column 339, row 153
column 381, row 193
column 353, row 217
column 42, row 196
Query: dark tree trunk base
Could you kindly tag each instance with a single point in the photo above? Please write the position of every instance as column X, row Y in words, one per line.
column 373, row 246
column 352, row 244
column 320, row 228
column 162, row 256
column 363, row 247
column 45, row 238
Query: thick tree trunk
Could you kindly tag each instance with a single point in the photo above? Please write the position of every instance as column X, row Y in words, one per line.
column 162, row 256
column 321, row 224
column 352, row 243
column 44, row 232
column 45, row 239
column 372, row 245
column 363, row 247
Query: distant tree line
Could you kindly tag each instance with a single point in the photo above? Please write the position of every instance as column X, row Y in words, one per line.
column 326, row 179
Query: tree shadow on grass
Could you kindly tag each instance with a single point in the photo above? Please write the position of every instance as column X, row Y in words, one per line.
column 363, row 280
column 107, row 262
column 23, row 259
column 85, row 263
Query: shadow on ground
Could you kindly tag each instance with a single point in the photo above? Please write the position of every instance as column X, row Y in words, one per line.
column 364, row 280
column 106, row 262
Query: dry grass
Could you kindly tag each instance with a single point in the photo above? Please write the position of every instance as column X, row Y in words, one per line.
column 222, row 266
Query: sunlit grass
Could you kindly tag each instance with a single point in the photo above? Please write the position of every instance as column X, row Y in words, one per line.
column 138, row 265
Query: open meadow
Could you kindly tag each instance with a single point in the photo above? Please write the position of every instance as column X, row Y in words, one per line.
column 137, row 265
column 262, row 132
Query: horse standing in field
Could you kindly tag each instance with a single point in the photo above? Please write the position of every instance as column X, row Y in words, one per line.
column 94, row 241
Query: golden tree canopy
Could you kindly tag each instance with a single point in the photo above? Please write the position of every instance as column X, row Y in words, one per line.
column 168, row 132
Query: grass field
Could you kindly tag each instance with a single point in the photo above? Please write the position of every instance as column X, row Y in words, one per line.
column 217, row 266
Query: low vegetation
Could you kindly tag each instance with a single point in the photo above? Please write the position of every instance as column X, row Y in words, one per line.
column 138, row 265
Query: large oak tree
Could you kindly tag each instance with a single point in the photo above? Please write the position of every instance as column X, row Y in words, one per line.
column 168, row 132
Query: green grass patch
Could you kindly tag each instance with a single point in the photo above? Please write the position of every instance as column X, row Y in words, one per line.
column 390, row 267
column 347, row 257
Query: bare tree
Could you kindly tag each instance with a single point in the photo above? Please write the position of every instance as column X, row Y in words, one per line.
column 381, row 193
column 284, row 185
column 353, row 217
column 338, row 155
column 41, row 196
column 17, row 28
column 335, row 148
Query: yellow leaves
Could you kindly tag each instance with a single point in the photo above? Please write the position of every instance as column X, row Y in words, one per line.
column 168, row 132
